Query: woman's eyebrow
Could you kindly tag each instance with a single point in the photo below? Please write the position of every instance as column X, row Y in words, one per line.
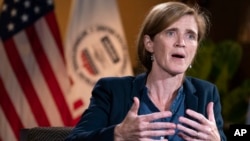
column 191, row 31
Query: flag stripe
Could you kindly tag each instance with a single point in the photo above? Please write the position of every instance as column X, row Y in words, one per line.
column 52, row 54
column 53, row 26
column 34, row 78
column 48, row 74
column 9, row 110
column 14, row 91
column 6, row 132
column 37, row 79
column 25, row 83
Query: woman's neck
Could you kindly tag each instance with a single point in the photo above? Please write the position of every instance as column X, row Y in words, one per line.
column 162, row 89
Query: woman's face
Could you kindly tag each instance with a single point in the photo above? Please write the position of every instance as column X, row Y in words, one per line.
column 175, row 47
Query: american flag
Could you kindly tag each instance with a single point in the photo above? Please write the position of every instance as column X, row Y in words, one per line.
column 34, row 84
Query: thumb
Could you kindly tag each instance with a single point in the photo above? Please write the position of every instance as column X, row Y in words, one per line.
column 135, row 107
column 210, row 111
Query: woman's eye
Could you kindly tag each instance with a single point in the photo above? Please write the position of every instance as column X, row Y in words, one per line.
column 170, row 33
column 192, row 36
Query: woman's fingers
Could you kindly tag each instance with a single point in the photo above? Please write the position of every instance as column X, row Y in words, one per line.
column 157, row 133
column 197, row 116
column 135, row 107
column 201, row 128
column 210, row 111
column 195, row 125
column 160, row 125
column 136, row 126
column 155, row 116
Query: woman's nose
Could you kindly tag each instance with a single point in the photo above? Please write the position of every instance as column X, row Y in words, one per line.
column 180, row 42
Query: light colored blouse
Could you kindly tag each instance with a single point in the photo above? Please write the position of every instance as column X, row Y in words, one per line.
column 177, row 108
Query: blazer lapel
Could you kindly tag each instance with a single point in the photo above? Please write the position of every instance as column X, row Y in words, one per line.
column 191, row 99
column 137, row 87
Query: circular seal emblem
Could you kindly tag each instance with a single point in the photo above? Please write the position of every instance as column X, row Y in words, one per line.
column 99, row 51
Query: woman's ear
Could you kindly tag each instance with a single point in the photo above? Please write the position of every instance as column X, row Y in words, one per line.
column 148, row 43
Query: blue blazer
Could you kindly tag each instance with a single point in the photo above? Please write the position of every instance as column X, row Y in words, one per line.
column 112, row 98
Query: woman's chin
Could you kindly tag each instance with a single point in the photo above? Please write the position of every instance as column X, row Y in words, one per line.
column 177, row 72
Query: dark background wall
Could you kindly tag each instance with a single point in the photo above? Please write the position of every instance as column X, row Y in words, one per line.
column 230, row 21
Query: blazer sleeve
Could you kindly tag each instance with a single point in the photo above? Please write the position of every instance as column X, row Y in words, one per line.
column 93, row 125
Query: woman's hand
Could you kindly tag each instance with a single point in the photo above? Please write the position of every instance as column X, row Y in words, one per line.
column 203, row 129
column 141, row 128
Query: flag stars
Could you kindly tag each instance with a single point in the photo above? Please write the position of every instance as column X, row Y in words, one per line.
column 27, row 4
column 4, row 8
column 37, row 10
column 49, row 2
column 24, row 18
column 10, row 27
column 21, row 13
column 13, row 12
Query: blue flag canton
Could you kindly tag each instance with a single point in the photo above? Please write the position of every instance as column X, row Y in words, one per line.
column 18, row 14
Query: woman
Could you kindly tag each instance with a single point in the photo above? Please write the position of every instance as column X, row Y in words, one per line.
column 163, row 103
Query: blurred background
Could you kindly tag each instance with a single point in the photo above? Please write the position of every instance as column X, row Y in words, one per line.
column 230, row 20
column 223, row 58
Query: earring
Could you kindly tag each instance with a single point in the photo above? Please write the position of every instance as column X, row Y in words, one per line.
column 152, row 57
column 190, row 66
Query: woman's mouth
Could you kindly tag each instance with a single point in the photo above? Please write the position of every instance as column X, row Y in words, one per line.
column 180, row 56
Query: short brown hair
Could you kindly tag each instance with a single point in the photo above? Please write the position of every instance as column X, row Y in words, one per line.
column 162, row 16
